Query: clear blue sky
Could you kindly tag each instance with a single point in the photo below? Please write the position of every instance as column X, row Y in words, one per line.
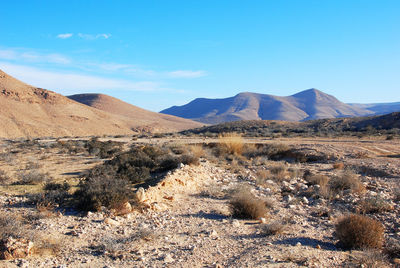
column 156, row 54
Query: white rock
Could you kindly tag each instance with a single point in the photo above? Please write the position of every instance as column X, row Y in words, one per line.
column 305, row 200
column 235, row 223
column 168, row 258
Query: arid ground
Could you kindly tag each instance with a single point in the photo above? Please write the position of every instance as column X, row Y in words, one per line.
column 185, row 217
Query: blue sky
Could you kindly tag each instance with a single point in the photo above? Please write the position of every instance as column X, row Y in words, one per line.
column 156, row 54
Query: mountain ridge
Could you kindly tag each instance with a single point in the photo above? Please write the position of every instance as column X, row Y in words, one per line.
column 305, row 105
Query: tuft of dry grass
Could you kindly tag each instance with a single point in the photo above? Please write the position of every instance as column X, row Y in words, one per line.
column 339, row 166
column 374, row 204
column 231, row 142
column 346, row 181
column 273, row 228
column 197, row 150
column 368, row 258
column 320, row 180
column 359, row 232
column 245, row 205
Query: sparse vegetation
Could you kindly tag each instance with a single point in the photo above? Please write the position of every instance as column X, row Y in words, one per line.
column 273, row 228
column 245, row 205
column 357, row 231
column 33, row 177
column 374, row 204
column 346, row 181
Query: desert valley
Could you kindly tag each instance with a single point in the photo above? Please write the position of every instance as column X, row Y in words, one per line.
column 209, row 134
column 91, row 181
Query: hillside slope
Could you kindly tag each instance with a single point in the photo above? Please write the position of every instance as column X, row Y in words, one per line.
column 306, row 105
column 27, row 111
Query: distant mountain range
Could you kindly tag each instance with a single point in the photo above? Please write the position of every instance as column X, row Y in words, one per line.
column 306, row 105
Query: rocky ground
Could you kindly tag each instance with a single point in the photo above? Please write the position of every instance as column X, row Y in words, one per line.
column 185, row 221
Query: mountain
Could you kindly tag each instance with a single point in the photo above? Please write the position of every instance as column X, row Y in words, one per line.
column 379, row 108
column 305, row 105
column 141, row 118
column 28, row 111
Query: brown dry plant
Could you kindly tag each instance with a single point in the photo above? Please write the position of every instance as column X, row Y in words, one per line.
column 359, row 232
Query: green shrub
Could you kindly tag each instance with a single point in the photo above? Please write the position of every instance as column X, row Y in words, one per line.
column 95, row 192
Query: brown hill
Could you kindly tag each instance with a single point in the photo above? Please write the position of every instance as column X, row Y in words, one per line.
column 305, row 105
column 138, row 117
column 27, row 111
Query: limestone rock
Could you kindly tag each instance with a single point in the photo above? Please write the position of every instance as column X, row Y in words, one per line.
column 12, row 248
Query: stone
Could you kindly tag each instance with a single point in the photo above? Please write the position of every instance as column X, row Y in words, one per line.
column 305, row 200
column 298, row 244
column 213, row 233
column 168, row 258
column 235, row 223
column 263, row 220
column 110, row 221
column 15, row 248
column 288, row 198
column 141, row 195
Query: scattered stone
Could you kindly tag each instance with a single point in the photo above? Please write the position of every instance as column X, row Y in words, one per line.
column 15, row 248
column 168, row 258
column 110, row 221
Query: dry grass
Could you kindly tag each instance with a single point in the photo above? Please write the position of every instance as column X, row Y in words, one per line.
column 357, row 231
column 346, row 181
column 374, row 204
column 197, row 150
column 368, row 258
column 231, row 142
column 339, row 166
column 273, row 228
column 245, row 205
column 320, row 180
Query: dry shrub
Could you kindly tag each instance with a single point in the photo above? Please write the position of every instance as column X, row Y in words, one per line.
column 33, row 177
column 273, row 228
column 279, row 171
column 358, row 231
column 368, row 258
column 338, row 166
column 46, row 245
column 262, row 176
column 320, row 180
column 10, row 225
column 346, row 181
column 231, row 142
column 4, row 178
column 392, row 248
column 197, row 150
column 397, row 194
column 374, row 204
column 245, row 205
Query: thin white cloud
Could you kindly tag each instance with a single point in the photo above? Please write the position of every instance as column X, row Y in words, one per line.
column 65, row 35
column 94, row 36
column 70, row 82
column 32, row 56
column 186, row 74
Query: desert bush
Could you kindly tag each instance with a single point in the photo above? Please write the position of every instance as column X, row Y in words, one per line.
column 97, row 191
column 320, row 180
column 11, row 226
column 374, row 204
column 246, row 206
column 231, row 143
column 274, row 151
column 4, row 178
column 370, row 258
column 392, row 248
column 197, row 150
column 273, row 228
column 54, row 195
column 396, row 194
column 346, row 181
column 338, row 165
column 33, row 177
column 357, row 231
